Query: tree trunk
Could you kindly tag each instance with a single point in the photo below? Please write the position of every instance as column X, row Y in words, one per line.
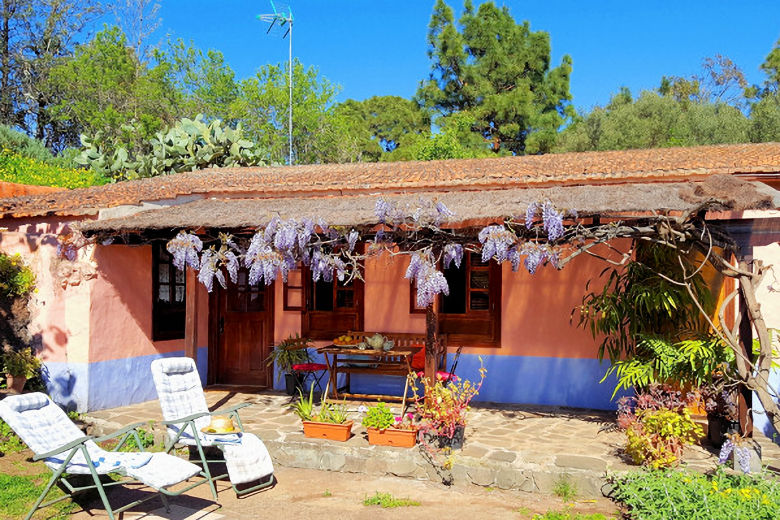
column 757, row 379
column 6, row 103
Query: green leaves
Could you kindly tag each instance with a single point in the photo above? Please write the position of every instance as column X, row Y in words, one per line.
column 497, row 71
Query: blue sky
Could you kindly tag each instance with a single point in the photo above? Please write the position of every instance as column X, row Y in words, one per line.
column 378, row 47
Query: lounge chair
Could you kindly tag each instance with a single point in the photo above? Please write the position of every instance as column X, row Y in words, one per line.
column 53, row 438
column 186, row 415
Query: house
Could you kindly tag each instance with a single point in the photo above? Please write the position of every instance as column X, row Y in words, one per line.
column 100, row 320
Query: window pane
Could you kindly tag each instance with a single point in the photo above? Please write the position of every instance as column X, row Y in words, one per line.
column 179, row 293
column 455, row 303
column 162, row 254
column 480, row 301
column 480, row 279
column 242, row 278
column 179, row 276
column 345, row 299
column 164, row 275
column 164, row 294
column 323, row 296
column 294, row 297
column 256, row 300
column 476, row 260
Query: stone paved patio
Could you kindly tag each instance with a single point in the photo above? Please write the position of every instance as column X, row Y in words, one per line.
column 507, row 446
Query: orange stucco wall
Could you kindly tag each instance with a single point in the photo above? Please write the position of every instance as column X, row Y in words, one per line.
column 121, row 306
column 535, row 309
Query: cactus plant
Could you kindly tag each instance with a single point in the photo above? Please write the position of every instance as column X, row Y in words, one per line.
column 191, row 144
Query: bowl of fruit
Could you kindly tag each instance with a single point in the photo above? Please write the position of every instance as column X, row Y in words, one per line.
column 345, row 340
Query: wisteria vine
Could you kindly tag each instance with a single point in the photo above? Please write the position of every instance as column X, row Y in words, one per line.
column 419, row 231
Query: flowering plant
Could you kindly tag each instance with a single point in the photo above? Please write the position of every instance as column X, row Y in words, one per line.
column 443, row 406
column 739, row 446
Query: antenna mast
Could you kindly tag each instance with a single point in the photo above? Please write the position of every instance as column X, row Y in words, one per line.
column 283, row 16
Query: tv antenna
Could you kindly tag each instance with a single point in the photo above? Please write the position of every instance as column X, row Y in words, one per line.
column 282, row 18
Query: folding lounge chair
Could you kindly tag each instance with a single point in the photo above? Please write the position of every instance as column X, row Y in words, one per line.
column 48, row 432
column 186, row 414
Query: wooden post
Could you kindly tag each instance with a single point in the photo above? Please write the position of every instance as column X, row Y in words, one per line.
column 431, row 342
column 191, row 321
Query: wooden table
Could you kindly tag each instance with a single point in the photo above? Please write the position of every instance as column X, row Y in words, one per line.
column 396, row 362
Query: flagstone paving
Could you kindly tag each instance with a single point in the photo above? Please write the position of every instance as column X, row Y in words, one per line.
column 529, row 448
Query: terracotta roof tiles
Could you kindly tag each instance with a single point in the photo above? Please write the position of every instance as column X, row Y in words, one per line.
column 571, row 169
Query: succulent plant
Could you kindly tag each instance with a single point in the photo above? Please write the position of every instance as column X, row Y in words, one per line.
column 191, row 144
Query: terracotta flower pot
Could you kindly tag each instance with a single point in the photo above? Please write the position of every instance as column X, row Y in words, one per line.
column 334, row 432
column 392, row 437
column 15, row 383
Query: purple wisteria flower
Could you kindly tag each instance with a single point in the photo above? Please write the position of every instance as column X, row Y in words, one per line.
column 496, row 242
column 232, row 264
column 263, row 262
column 209, row 269
column 514, row 258
column 286, row 235
column 430, row 281
column 443, row 213
column 352, row 239
column 534, row 256
column 530, row 213
column 185, row 248
column 553, row 221
column 382, row 210
column 453, row 252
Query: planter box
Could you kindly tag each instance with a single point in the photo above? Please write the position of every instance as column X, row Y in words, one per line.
column 334, row 432
column 392, row 437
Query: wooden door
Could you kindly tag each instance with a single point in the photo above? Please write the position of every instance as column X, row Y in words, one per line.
column 245, row 324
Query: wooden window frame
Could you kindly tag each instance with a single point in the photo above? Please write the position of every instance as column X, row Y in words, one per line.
column 339, row 320
column 446, row 320
column 288, row 287
column 162, row 313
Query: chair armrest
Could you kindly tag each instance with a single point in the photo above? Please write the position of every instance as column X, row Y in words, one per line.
column 233, row 408
column 72, row 444
column 119, row 432
column 185, row 419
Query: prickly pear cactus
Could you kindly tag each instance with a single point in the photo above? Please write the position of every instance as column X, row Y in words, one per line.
column 191, row 144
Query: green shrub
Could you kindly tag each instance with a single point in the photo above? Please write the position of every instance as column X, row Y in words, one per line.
column 678, row 495
column 22, row 363
column 16, row 279
column 564, row 488
column 657, row 437
column 24, row 145
column 14, row 167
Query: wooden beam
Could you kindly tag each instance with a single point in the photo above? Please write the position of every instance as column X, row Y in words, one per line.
column 191, row 321
column 431, row 343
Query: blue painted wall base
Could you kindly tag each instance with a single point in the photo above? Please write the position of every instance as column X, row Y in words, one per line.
column 107, row 384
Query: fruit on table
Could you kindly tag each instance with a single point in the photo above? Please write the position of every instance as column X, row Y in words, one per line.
column 344, row 339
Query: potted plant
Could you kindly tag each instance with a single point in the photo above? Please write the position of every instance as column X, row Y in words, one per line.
column 287, row 353
column 329, row 423
column 442, row 409
column 720, row 403
column 385, row 429
column 19, row 366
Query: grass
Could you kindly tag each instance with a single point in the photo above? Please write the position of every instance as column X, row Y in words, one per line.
column 568, row 514
column 565, row 488
column 386, row 500
column 327, row 493
column 19, row 492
